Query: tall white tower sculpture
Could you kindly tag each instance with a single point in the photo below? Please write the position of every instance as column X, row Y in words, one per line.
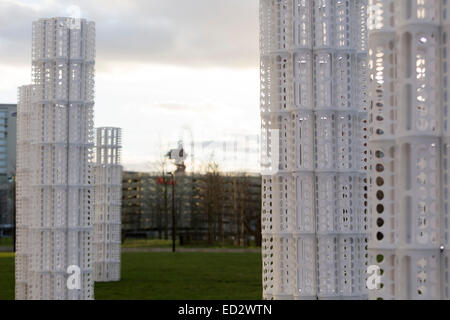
column 313, row 110
column 108, row 193
column 23, row 187
column 59, row 146
column 409, row 148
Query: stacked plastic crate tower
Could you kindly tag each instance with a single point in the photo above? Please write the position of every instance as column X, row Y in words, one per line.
column 409, row 143
column 314, row 117
column 23, row 191
column 108, row 192
column 55, row 160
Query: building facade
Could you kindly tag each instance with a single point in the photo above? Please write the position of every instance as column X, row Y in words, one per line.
column 214, row 208
column 314, row 117
column 8, row 116
column 134, row 191
column 56, row 164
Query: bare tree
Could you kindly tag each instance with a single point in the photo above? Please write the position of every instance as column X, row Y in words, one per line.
column 211, row 190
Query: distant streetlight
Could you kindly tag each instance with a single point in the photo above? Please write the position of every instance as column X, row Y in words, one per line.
column 174, row 225
column 178, row 155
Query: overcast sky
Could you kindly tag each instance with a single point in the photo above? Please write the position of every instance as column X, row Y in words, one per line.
column 164, row 68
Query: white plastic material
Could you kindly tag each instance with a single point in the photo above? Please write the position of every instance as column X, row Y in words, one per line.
column 408, row 143
column 313, row 110
column 108, row 193
column 23, row 192
column 55, row 189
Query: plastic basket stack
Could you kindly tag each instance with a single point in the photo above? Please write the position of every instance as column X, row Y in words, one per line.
column 55, row 191
column 314, row 117
column 23, row 191
column 409, row 148
column 108, row 192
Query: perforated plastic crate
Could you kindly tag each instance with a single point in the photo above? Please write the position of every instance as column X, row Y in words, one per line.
column 408, row 206
column 108, row 192
column 314, row 148
column 55, row 141
column 23, row 194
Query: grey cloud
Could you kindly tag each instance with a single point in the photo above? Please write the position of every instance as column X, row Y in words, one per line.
column 197, row 33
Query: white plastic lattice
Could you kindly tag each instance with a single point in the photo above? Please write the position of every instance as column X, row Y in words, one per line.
column 108, row 192
column 408, row 208
column 55, row 160
column 313, row 110
column 23, row 194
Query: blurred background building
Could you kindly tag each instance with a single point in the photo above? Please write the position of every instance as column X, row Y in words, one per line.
column 8, row 115
column 211, row 208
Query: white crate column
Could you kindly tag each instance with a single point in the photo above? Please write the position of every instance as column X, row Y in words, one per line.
column 108, row 193
column 61, row 184
column 23, row 192
column 314, row 123
column 408, row 209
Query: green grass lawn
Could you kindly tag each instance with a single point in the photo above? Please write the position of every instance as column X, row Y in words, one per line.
column 165, row 275
column 6, row 275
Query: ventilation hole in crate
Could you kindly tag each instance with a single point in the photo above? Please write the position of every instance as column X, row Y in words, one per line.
column 380, row 181
column 380, row 208
column 380, row 222
column 380, row 195
column 380, row 236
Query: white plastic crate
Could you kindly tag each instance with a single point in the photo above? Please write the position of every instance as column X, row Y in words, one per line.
column 23, row 195
column 108, row 193
column 55, row 195
column 314, row 147
column 408, row 207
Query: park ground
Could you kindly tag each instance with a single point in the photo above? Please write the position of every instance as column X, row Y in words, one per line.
column 167, row 275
